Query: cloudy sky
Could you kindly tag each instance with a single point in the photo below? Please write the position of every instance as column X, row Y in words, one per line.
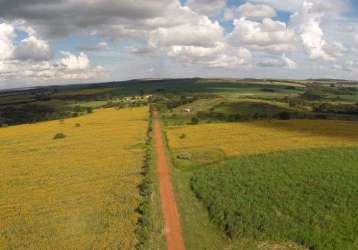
column 46, row 42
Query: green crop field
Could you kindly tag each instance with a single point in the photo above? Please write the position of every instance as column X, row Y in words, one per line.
column 309, row 197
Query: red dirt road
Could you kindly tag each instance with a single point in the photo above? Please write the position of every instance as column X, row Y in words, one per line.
column 169, row 207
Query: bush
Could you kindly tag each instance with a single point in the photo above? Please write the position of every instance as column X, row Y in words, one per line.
column 284, row 116
column 59, row 136
column 182, row 136
column 194, row 120
column 78, row 125
column 89, row 110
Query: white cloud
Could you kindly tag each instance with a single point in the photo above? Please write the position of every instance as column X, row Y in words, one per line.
column 30, row 59
column 73, row 63
column 295, row 5
column 203, row 32
column 355, row 40
column 7, row 34
column 335, row 49
column 207, row 7
column 200, row 41
column 219, row 56
column 283, row 62
column 256, row 11
column 33, row 49
column 285, row 5
column 307, row 23
column 268, row 35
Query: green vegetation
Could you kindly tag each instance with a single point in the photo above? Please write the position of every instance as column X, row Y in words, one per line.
column 59, row 136
column 258, row 202
column 308, row 197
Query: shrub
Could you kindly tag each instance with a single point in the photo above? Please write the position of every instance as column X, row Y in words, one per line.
column 78, row 125
column 59, row 136
column 194, row 120
column 182, row 136
column 284, row 116
column 89, row 110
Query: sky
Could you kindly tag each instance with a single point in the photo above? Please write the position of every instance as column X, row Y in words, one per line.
column 46, row 42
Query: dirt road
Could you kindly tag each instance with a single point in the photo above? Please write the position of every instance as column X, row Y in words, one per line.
column 169, row 209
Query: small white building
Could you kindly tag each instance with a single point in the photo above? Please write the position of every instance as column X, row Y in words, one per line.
column 187, row 110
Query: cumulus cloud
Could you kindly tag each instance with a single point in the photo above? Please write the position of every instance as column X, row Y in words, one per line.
column 33, row 49
column 201, row 41
column 190, row 33
column 283, row 62
column 220, row 56
column 202, row 33
column 7, row 33
column 256, row 11
column 355, row 41
column 207, row 7
column 72, row 62
column 268, row 35
column 115, row 19
column 307, row 22
column 31, row 59
column 295, row 5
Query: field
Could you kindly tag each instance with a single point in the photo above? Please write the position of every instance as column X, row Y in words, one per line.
column 279, row 154
column 235, row 139
column 308, row 197
column 246, row 173
column 80, row 192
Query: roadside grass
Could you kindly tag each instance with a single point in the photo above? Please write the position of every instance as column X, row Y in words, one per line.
column 151, row 228
column 309, row 197
column 80, row 192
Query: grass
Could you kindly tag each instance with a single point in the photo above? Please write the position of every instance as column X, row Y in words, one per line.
column 90, row 104
column 235, row 139
column 80, row 192
column 308, row 197
column 214, row 143
column 247, row 108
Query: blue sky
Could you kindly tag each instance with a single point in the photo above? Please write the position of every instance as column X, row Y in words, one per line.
column 101, row 40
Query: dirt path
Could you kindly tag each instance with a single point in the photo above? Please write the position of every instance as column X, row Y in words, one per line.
column 169, row 209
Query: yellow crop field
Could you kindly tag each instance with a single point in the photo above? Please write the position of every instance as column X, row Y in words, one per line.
column 235, row 139
column 80, row 192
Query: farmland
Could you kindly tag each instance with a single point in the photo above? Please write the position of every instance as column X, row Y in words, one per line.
column 264, row 183
column 78, row 166
column 235, row 139
column 308, row 197
column 76, row 192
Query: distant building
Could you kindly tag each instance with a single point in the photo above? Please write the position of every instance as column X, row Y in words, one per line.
column 187, row 110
